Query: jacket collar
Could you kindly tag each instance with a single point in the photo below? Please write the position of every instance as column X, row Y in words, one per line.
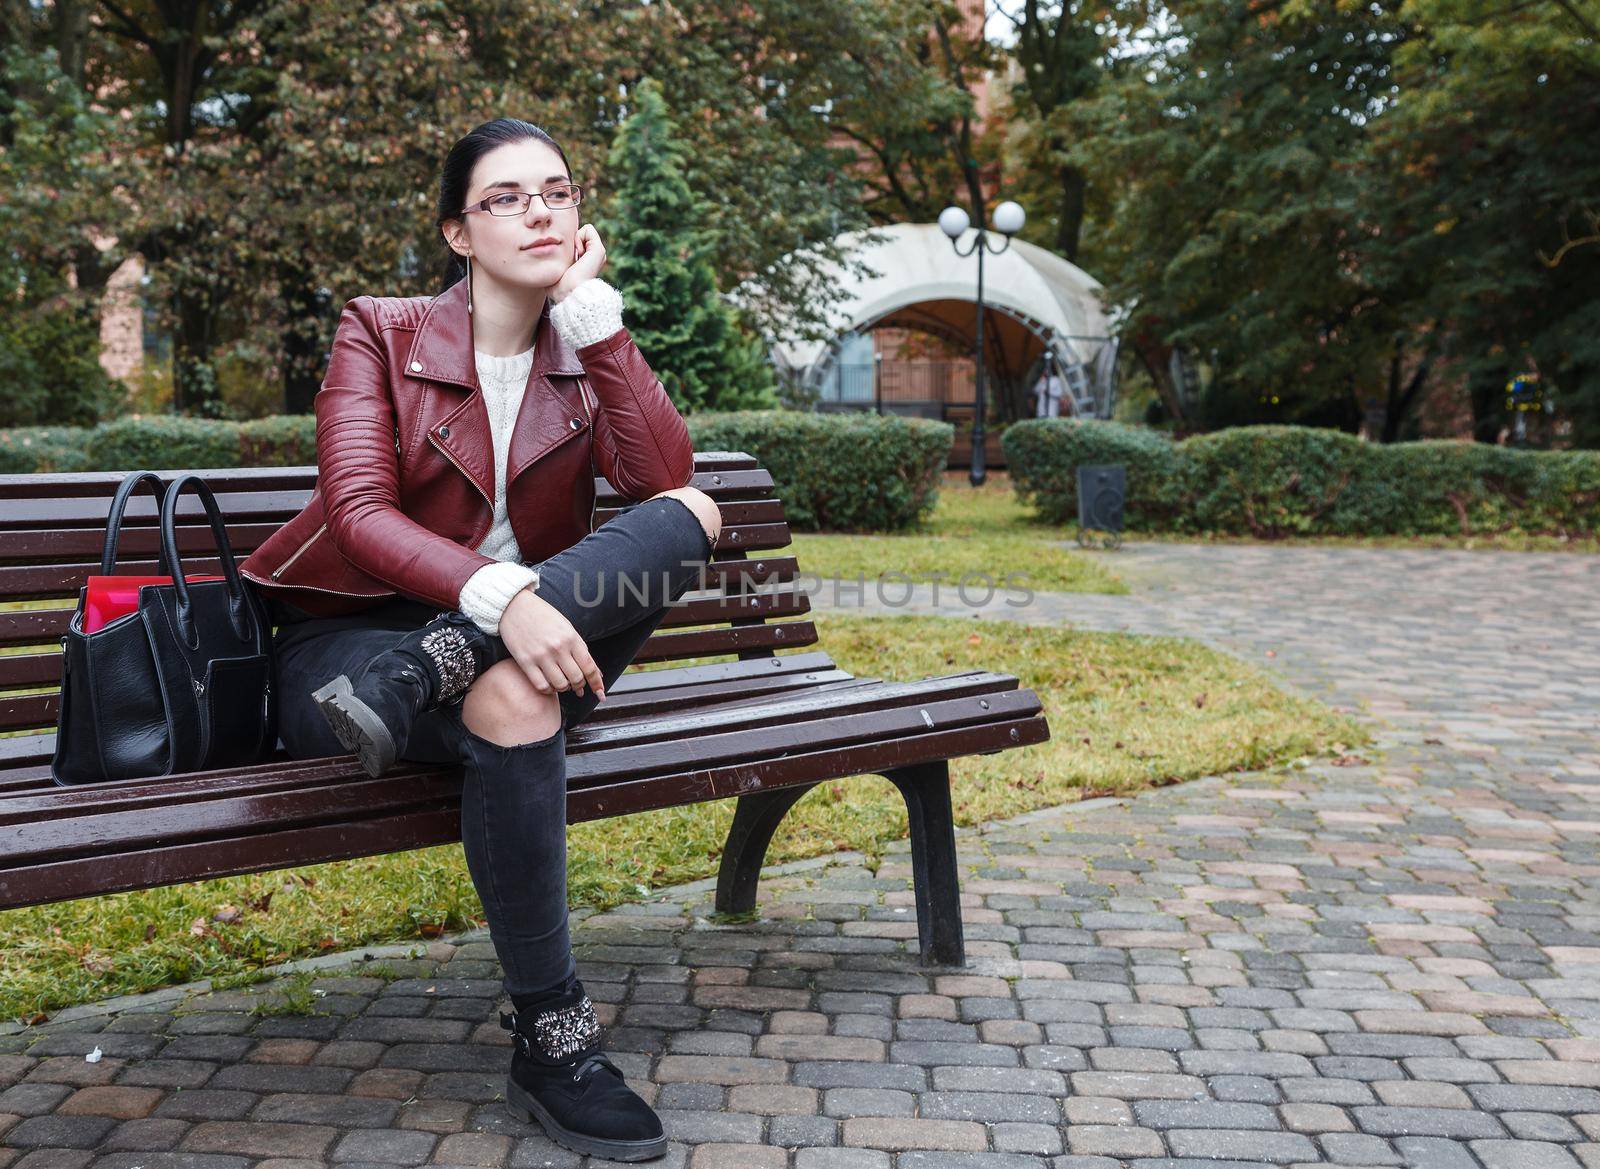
column 441, row 349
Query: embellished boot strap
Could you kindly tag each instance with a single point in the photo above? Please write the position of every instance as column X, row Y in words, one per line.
column 457, row 651
column 556, row 1034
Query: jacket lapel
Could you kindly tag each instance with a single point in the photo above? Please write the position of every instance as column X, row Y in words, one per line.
column 442, row 351
column 551, row 402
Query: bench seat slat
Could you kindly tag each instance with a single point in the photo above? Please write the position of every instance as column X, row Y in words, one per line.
column 241, row 805
column 602, row 800
column 607, row 754
column 172, row 864
column 688, row 730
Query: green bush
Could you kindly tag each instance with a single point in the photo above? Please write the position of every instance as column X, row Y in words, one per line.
column 1566, row 490
column 279, row 440
column 1043, row 454
column 50, row 364
column 1273, row 481
column 848, row 472
column 160, row 442
column 26, row 449
column 1267, row 480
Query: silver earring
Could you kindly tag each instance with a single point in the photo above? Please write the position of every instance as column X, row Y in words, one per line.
column 469, row 283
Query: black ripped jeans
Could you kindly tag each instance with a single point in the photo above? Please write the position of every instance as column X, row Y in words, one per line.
column 614, row 585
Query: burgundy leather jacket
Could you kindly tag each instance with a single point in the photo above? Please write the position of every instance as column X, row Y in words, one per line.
column 405, row 458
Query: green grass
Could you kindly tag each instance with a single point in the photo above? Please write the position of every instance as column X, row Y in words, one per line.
column 1485, row 542
column 984, row 532
column 1127, row 712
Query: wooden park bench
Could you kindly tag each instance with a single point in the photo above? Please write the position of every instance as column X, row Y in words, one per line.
column 754, row 724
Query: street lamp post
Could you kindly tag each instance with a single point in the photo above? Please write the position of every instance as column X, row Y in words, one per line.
column 953, row 221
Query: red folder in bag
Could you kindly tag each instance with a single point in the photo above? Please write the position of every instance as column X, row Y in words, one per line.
column 110, row 597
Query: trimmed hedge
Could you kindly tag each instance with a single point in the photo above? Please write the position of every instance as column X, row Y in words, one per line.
column 1274, row 481
column 26, row 449
column 1042, row 461
column 844, row 472
column 164, row 440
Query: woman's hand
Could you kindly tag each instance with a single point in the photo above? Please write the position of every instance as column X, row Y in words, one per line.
column 550, row 651
column 588, row 259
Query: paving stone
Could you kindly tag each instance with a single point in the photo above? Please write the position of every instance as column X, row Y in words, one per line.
column 1442, row 1122
column 1272, row 1147
column 54, row 1131
column 1355, row 1148
column 1123, row 1141
column 1523, row 1155
column 392, row 1146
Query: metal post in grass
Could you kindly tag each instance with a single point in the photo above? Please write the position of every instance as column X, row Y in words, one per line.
column 1101, row 490
column 954, row 221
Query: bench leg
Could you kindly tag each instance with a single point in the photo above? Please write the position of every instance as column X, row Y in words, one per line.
column 935, row 873
column 755, row 818
column 925, row 787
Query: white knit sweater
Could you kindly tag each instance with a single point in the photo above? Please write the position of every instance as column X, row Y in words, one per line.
column 590, row 312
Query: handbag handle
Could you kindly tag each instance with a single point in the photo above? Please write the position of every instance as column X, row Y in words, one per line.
column 130, row 483
column 169, row 546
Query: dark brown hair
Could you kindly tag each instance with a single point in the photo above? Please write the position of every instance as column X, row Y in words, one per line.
column 456, row 177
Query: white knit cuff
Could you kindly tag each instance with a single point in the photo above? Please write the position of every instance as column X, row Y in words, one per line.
column 590, row 312
column 489, row 590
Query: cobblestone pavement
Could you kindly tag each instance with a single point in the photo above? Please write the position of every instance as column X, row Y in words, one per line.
column 1390, row 963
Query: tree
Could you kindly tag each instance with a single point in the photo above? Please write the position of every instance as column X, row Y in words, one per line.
column 1491, row 162
column 1348, row 207
column 658, row 247
column 60, row 191
column 1233, row 211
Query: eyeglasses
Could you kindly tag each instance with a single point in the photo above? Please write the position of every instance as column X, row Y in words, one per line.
column 556, row 198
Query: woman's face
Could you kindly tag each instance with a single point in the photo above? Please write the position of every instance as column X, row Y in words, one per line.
column 515, row 249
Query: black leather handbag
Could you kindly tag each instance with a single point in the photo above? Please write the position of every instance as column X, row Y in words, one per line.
column 185, row 683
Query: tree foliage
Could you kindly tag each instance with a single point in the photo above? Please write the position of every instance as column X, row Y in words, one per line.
column 1347, row 207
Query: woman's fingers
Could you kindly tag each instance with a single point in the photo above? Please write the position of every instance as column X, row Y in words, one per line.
column 538, row 677
column 559, row 658
column 553, row 674
column 571, row 671
column 592, row 675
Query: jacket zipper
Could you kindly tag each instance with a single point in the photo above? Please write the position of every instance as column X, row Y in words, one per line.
column 478, row 537
column 319, row 589
column 284, row 567
column 594, row 497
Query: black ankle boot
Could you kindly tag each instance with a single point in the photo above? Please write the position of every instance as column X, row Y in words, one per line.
column 372, row 714
column 561, row 1078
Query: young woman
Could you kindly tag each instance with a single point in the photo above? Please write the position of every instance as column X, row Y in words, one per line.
column 444, row 596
